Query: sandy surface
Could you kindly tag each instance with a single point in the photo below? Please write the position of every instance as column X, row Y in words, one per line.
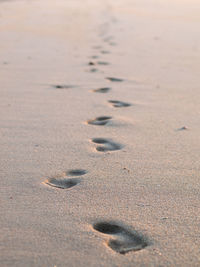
column 151, row 183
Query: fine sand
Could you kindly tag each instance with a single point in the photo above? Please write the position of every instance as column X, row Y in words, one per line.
column 99, row 133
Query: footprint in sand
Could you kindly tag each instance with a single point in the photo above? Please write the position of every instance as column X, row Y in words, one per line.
column 91, row 63
column 108, row 39
column 97, row 47
column 94, row 57
column 63, row 86
column 102, row 63
column 112, row 79
column 106, row 145
column 102, row 90
column 93, row 70
column 124, row 240
column 182, row 128
column 103, row 120
column 112, row 43
column 65, row 183
column 119, row 104
column 105, row 52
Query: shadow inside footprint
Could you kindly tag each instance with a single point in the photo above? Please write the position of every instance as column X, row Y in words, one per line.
column 76, row 172
column 62, row 183
column 103, row 120
column 106, row 145
column 124, row 240
column 102, row 90
column 119, row 104
column 112, row 79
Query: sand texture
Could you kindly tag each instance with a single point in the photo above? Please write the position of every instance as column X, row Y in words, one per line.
column 99, row 133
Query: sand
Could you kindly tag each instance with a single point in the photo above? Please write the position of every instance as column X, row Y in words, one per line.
column 97, row 171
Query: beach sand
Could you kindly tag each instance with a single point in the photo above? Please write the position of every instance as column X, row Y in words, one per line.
column 99, row 133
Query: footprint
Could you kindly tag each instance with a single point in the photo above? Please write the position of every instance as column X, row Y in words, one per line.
column 112, row 79
column 108, row 39
column 124, row 240
column 93, row 70
column 106, row 145
column 97, row 47
column 91, row 63
column 103, row 120
column 76, row 172
column 105, row 52
column 94, row 57
column 102, row 63
column 182, row 128
column 119, row 104
column 112, row 43
column 102, row 90
column 62, row 183
column 63, row 86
